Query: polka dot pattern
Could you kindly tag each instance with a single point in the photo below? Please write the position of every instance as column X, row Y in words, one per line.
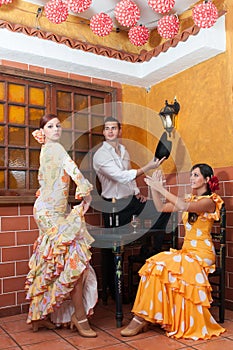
column 199, row 278
column 161, row 6
column 205, row 15
column 127, row 13
column 56, row 11
column 193, row 243
column 178, row 293
column 101, row 24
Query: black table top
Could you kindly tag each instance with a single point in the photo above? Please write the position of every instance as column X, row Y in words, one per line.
column 117, row 236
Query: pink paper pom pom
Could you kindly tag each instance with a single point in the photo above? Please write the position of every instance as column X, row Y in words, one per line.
column 101, row 24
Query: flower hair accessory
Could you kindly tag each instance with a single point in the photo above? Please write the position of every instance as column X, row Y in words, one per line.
column 38, row 135
column 213, row 183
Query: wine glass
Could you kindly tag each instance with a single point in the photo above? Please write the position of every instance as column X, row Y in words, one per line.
column 134, row 223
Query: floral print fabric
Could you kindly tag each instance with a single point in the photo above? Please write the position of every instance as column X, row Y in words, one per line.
column 61, row 252
column 174, row 290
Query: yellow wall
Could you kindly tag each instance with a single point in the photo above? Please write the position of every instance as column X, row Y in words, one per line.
column 204, row 124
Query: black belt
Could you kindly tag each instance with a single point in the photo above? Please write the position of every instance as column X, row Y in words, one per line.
column 117, row 199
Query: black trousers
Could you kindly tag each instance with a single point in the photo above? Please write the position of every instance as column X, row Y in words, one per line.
column 123, row 210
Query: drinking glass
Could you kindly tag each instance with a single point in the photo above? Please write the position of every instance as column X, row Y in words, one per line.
column 134, row 223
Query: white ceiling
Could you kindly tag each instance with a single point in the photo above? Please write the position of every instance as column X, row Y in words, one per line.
column 35, row 51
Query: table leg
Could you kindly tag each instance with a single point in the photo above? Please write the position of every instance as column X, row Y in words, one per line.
column 118, row 259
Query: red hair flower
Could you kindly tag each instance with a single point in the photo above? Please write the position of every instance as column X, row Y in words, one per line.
column 213, row 183
column 38, row 136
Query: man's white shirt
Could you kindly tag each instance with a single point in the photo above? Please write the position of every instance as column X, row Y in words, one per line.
column 113, row 170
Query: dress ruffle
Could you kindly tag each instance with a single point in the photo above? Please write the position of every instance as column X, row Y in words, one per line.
column 174, row 290
column 60, row 256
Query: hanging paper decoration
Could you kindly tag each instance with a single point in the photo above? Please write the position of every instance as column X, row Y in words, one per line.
column 138, row 35
column 161, row 6
column 205, row 15
column 101, row 24
column 5, row 2
column 127, row 13
column 78, row 6
column 56, row 11
column 168, row 26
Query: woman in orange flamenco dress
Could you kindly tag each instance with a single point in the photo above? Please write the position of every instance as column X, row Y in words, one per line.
column 174, row 290
column 61, row 284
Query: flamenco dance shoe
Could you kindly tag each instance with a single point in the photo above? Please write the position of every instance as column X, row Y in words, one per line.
column 138, row 327
column 88, row 333
column 42, row 324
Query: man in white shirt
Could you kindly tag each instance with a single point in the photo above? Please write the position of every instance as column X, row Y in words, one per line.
column 118, row 185
column 112, row 165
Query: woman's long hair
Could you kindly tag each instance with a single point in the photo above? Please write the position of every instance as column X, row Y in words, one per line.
column 206, row 171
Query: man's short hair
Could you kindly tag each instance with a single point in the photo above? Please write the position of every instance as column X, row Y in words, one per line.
column 112, row 119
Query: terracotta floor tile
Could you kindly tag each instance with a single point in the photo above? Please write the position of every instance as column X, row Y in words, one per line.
column 6, row 342
column 100, row 342
column 118, row 347
column 16, row 326
column 220, row 343
column 2, row 331
column 159, row 341
column 65, row 332
column 115, row 332
column 229, row 315
column 104, row 322
column 13, row 318
column 16, row 334
column 228, row 325
column 190, row 342
column 59, row 344
column 29, row 337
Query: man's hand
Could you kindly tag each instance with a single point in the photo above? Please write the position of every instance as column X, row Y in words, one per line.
column 154, row 163
column 141, row 198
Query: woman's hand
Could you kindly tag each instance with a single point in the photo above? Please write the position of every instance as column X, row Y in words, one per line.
column 86, row 203
column 155, row 181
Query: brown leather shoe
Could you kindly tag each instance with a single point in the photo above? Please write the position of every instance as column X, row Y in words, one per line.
column 135, row 327
column 42, row 324
column 88, row 333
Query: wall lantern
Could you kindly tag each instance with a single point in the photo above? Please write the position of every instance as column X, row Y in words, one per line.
column 168, row 115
